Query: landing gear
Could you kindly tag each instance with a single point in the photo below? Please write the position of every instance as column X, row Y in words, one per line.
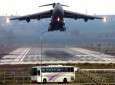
column 54, row 27
column 62, row 29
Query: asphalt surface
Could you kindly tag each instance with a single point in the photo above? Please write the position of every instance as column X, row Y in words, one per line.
column 55, row 55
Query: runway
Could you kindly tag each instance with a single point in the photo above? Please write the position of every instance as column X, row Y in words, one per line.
column 55, row 55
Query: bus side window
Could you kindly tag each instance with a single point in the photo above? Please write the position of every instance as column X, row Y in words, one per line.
column 49, row 69
column 43, row 70
column 55, row 69
column 71, row 69
column 59, row 69
column 65, row 69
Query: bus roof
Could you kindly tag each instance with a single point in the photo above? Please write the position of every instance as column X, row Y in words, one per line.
column 51, row 66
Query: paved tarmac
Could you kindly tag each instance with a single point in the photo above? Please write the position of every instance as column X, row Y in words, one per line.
column 55, row 55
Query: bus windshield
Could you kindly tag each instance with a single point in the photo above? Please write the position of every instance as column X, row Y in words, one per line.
column 35, row 71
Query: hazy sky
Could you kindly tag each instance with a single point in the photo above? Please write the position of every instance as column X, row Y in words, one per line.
column 23, row 7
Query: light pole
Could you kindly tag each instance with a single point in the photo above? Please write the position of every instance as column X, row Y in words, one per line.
column 41, row 43
column 41, row 56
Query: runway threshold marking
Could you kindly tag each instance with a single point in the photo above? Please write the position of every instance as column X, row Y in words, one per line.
column 89, row 52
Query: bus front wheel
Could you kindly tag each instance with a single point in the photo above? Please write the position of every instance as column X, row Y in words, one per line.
column 44, row 81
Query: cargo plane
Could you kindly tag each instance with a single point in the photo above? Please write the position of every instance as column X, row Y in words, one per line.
column 57, row 15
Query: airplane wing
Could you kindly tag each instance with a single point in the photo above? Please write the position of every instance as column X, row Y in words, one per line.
column 74, row 15
column 38, row 16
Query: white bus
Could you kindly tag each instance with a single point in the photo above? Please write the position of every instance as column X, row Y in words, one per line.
column 53, row 73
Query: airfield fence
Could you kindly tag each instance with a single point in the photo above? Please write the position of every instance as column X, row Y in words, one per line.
column 82, row 78
column 14, row 78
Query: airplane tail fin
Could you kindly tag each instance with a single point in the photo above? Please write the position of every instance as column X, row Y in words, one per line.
column 53, row 5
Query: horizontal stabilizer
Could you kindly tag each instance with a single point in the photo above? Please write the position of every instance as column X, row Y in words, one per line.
column 53, row 5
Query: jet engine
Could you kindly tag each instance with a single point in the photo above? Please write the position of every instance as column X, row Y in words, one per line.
column 27, row 19
column 85, row 19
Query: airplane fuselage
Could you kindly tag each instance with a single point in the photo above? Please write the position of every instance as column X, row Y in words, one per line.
column 57, row 21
